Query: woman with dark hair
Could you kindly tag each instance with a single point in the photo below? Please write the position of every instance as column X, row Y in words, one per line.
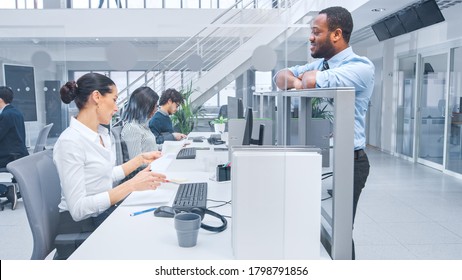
column 135, row 132
column 84, row 158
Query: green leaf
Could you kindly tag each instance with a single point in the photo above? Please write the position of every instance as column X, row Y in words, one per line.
column 186, row 116
column 220, row 120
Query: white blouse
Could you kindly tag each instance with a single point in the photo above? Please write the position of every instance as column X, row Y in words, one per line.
column 86, row 170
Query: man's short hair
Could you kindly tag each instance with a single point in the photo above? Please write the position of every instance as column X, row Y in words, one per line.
column 171, row 94
column 339, row 17
column 6, row 94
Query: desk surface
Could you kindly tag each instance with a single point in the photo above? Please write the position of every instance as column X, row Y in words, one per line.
column 144, row 236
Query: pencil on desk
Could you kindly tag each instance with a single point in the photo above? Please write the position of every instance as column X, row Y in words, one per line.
column 143, row 211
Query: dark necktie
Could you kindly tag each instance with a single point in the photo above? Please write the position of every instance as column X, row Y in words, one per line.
column 325, row 65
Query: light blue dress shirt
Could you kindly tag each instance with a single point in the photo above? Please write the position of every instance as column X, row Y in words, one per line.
column 347, row 69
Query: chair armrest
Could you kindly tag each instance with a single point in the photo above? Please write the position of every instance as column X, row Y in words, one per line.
column 67, row 243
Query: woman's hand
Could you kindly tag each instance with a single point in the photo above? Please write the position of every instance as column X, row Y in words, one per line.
column 147, row 180
column 148, row 157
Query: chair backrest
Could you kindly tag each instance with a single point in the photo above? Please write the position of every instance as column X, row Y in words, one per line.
column 42, row 138
column 38, row 180
column 223, row 111
column 121, row 147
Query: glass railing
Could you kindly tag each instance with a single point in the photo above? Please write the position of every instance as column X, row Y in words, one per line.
column 134, row 4
column 210, row 46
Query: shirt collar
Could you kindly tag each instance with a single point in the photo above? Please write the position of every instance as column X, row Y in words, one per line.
column 337, row 59
column 162, row 112
column 1, row 110
column 86, row 131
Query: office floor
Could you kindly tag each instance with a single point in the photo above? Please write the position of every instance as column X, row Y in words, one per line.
column 406, row 211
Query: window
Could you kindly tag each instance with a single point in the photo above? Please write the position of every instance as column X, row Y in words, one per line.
column 191, row 4
column 173, row 4
column 263, row 81
column 139, row 4
column 229, row 90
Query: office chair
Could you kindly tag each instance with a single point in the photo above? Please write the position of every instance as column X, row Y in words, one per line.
column 11, row 181
column 42, row 138
column 38, row 179
column 120, row 145
column 39, row 146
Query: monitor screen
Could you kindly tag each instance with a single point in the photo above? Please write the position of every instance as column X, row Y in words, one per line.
column 429, row 13
column 248, row 127
column 395, row 27
column 247, row 140
column 381, row 31
column 235, row 108
column 410, row 20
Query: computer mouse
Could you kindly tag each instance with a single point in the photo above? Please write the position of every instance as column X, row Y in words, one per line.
column 164, row 212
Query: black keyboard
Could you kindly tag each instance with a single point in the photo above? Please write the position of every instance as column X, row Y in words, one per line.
column 186, row 153
column 190, row 196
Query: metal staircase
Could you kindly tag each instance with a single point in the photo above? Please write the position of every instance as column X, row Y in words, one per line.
column 224, row 48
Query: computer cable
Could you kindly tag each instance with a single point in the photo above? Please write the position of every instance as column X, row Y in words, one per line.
column 223, row 203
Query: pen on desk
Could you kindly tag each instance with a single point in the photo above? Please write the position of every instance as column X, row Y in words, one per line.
column 143, row 211
column 172, row 181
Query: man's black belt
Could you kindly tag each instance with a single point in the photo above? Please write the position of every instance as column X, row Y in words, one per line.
column 359, row 153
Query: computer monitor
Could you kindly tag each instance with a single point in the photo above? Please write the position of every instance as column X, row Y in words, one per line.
column 395, row 27
column 247, row 140
column 381, row 31
column 235, row 108
column 429, row 13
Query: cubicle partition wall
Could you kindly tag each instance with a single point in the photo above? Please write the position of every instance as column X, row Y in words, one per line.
column 336, row 230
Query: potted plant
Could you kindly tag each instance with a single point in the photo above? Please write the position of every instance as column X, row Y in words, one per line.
column 186, row 116
column 319, row 107
column 219, row 124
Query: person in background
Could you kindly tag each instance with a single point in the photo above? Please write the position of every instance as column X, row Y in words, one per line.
column 12, row 139
column 339, row 66
column 84, row 158
column 161, row 124
column 135, row 132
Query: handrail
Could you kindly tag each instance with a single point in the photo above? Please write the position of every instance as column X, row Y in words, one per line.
column 203, row 43
column 177, row 48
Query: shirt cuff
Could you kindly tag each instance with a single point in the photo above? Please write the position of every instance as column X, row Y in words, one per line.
column 103, row 202
column 117, row 173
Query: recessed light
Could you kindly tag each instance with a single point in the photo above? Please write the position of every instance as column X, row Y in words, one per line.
column 378, row 10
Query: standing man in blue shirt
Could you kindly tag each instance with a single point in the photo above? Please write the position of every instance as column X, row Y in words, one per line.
column 12, row 139
column 339, row 67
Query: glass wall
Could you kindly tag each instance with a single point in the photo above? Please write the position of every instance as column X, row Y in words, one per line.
column 405, row 112
column 432, row 108
column 454, row 143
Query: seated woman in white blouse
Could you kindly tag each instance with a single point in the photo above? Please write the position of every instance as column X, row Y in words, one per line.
column 135, row 132
column 84, row 158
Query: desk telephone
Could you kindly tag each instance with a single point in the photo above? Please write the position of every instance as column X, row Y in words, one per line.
column 215, row 139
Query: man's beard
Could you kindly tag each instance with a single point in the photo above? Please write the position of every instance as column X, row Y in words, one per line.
column 326, row 49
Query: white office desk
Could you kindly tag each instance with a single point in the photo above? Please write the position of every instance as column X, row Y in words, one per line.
column 144, row 236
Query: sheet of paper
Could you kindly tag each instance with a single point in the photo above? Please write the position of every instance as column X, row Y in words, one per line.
column 161, row 164
column 160, row 196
